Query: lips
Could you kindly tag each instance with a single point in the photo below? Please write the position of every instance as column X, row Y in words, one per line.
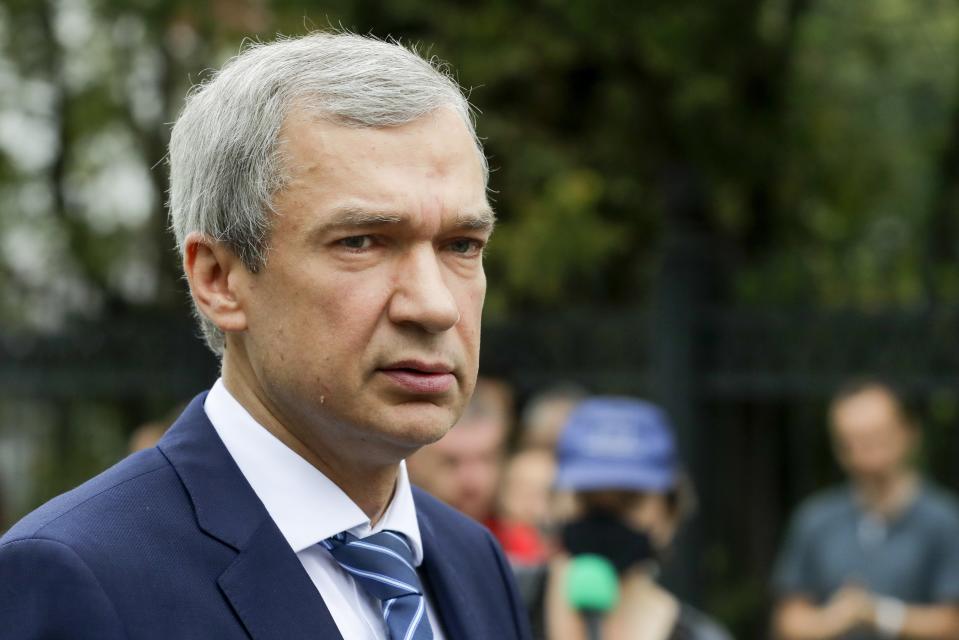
column 420, row 377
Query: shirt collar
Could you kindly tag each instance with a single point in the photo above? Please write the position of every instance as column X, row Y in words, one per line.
column 306, row 506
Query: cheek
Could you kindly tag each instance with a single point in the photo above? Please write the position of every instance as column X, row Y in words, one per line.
column 650, row 513
column 327, row 324
column 479, row 294
column 470, row 303
column 642, row 519
column 490, row 473
column 470, row 292
column 351, row 309
column 903, row 446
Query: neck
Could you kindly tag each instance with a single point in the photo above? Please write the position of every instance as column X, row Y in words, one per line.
column 336, row 452
column 888, row 495
column 646, row 610
column 640, row 579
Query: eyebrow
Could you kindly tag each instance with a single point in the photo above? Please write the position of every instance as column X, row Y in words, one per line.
column 482, row 219
column 359, row 217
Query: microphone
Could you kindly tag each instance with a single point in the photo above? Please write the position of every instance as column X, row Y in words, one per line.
column 592, row 589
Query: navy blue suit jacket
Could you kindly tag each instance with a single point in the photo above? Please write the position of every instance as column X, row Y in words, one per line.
column 172, row 543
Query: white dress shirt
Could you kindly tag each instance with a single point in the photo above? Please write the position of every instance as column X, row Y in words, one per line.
column 308, row 507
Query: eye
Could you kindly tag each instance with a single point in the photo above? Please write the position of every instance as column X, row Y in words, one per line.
column 356, row 243
column 466, row 246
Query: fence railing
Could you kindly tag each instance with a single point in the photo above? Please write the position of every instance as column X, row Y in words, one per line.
column 749, row 394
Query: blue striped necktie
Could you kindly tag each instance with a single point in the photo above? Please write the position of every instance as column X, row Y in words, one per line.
column 383, row 564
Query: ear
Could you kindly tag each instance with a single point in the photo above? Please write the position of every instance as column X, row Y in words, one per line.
column 214, row 273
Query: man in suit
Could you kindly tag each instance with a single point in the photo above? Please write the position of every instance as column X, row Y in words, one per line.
column 328, row 196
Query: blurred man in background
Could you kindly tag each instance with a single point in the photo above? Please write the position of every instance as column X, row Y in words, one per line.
column 878, row 558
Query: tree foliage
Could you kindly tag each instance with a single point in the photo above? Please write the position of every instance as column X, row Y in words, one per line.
column 819, row 140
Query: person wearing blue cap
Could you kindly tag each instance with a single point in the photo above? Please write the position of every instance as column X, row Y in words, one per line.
column 618, row 459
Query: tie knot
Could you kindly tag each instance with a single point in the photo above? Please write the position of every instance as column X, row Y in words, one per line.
column 382, row 562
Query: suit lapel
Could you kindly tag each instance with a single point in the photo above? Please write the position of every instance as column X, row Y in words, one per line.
column 439, row 569
column 272, row 594
column 266, row 585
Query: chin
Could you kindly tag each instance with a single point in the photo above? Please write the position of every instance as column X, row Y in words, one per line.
column 420, row 425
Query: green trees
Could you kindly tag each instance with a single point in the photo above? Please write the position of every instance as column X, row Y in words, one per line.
column 820, row 138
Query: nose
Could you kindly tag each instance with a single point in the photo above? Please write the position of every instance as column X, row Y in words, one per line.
column 422, row 296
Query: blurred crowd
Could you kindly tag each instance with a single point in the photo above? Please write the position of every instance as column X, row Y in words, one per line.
column 587, row 493
column 575, row 477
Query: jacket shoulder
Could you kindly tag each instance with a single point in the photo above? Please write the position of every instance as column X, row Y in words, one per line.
column 91, row 499
column 48, row 591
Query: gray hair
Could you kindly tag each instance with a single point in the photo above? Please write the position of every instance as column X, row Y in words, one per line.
column 226, row 160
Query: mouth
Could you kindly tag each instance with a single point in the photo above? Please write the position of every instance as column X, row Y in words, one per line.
column 420, row 377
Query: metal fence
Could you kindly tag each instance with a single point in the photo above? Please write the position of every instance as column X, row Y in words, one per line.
column 747, row 389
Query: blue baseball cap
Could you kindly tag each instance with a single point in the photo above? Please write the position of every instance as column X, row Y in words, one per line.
column 617, row 443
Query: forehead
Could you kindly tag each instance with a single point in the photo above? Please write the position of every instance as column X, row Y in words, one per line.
column 868, row 409
column 430, row 164
column 532, row 464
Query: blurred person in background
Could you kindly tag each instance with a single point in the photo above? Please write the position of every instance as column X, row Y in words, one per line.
column 619, row 459
column 145, row 436
column 545, row 414
column 879, row 557
column 498, row 399
column 524, row 503
column 525, row 523
column 148, row 434
column 463, row 467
